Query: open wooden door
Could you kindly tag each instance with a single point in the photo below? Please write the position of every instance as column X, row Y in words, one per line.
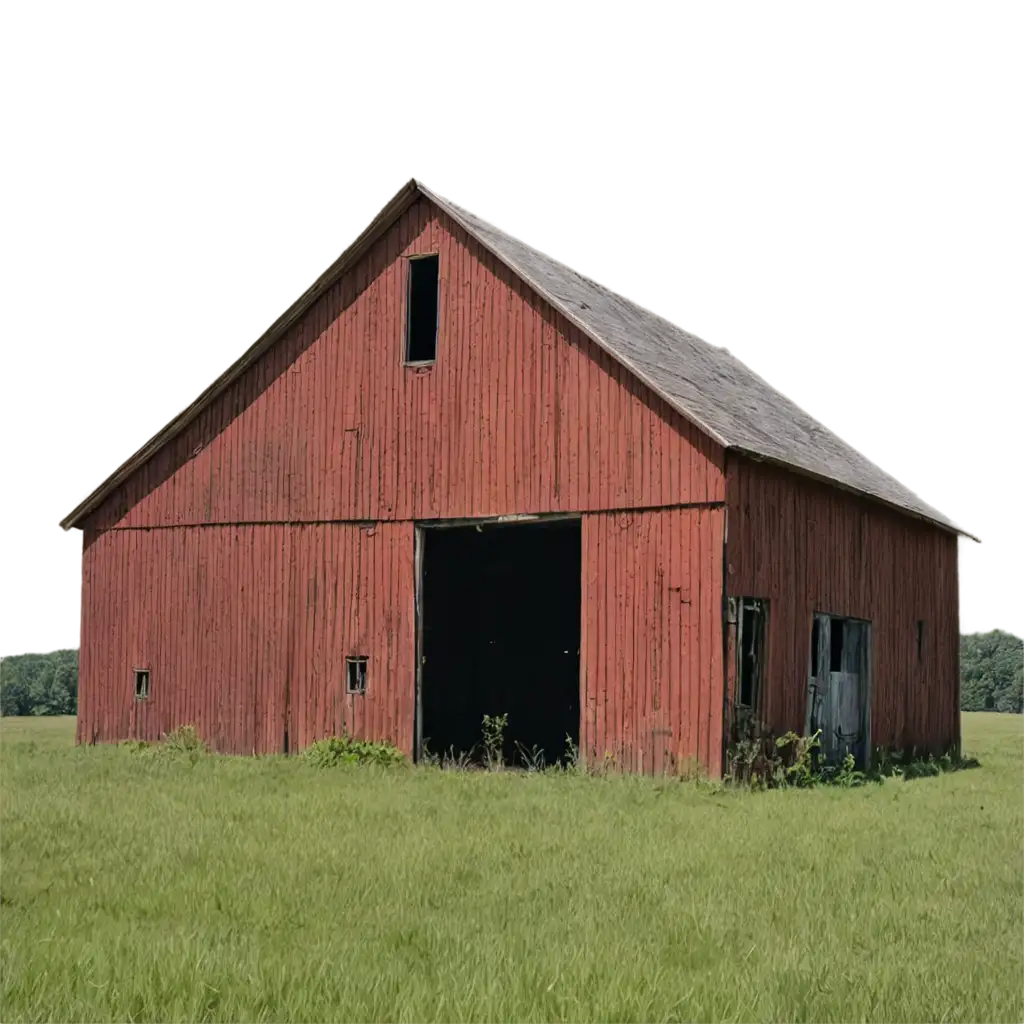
column 838, row 692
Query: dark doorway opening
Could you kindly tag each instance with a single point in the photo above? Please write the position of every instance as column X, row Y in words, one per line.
column 500, row 624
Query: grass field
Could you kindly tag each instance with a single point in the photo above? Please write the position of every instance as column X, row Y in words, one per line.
column 143, row 888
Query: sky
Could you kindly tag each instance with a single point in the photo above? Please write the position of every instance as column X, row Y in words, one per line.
column 832, row 192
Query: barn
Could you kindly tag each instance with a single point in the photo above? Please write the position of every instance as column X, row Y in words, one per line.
column 457, row 478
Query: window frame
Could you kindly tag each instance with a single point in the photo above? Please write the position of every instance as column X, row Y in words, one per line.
column 355, row 662
column 408, row 338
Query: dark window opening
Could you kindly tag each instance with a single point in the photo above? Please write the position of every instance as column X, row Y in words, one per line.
column 751, row 649
column 815, row 641
column 421, row 314
column 920, row 637
column 355, row 674
column 141, row 683
column 835, row 645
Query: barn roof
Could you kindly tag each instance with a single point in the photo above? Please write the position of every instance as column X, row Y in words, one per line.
column 705, row 384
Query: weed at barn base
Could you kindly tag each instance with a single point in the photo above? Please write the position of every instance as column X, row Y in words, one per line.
column 338, row 751
column 758, row 759
column 494, row 741
column 181, row 744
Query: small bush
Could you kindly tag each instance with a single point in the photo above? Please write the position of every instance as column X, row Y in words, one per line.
column 494, row 741
column 184, row 740
column 764, row 761
column 181, row 744
column 336, row 751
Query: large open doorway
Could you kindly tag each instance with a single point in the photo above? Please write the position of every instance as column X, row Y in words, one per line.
column 500, row 635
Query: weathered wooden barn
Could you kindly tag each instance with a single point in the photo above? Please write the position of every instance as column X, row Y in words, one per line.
column 458, row 478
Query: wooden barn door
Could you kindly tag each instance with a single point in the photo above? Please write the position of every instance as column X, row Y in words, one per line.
column 838, row 692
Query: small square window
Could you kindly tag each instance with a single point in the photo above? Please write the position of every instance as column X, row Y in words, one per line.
column 141, row 683
column 355, row 674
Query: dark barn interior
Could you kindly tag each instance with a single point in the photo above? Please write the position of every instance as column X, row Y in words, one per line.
column 501, row 635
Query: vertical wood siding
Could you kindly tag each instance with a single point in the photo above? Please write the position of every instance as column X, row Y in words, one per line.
column 520, row 413
column 245, row 630
column 275, row 535
column 808, row 547
column 651, row 639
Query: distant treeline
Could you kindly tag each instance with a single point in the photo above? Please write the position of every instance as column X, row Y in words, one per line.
column 39, row 684
column 991, row 672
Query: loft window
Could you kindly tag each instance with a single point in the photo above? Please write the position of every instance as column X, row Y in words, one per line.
column 141, row 683
column 355, row 674
column 751, row 618
column 421, row 310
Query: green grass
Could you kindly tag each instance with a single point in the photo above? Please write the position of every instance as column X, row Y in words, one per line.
column 146, row 888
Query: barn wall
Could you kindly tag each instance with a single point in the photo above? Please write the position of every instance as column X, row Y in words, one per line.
column 275, row 534
column 651, row 639
column 237, row 624
column 245, row 629
column 521, row 413
column 809, row 547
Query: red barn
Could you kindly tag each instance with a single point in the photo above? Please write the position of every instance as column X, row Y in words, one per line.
column 457, row 478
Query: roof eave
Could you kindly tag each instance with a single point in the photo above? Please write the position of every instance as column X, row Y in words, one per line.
column 942, row 524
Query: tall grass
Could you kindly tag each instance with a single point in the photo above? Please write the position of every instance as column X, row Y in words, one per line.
column 163, row 888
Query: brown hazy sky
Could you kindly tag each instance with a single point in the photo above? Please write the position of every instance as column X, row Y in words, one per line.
column 165, row 177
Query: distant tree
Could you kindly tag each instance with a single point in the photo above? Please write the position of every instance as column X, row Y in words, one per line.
column 992, row 672
column 13, row 689
column 39, row 684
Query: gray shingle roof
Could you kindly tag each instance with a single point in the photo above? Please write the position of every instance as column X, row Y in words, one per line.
column 707, row 385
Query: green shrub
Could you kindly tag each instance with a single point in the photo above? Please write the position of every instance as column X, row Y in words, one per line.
column 335, row 751
column 181, row 744
column 184, row 740
column 494, row 741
